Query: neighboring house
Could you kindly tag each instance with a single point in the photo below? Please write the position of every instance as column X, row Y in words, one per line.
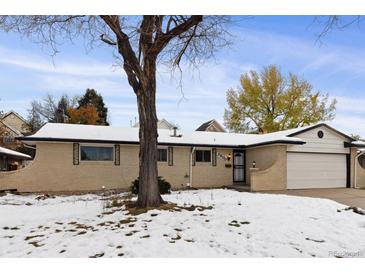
column 14, row 122
column 212, row 126
column 161, row 124
column 85, row 157
column 12, row 160
column 12, row 125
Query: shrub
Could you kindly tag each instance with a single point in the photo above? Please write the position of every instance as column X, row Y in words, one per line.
column 163, row 185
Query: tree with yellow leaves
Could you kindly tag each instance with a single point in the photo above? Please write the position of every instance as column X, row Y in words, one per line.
column 269, row 101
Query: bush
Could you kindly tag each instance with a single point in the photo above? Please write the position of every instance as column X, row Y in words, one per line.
column 163, row 185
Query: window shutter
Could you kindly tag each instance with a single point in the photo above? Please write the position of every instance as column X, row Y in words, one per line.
column 117, row 155
column 76, row 149
column 214, row 156
column 193, row 158
column 170, row 156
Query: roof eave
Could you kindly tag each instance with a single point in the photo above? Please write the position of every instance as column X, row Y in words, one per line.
column 49, row 139
column 279, row 142
column 349, row 144
column 319, row 125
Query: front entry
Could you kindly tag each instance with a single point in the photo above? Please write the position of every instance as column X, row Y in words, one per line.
column 238, row 166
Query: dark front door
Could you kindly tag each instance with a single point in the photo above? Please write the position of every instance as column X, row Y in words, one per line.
column 238, row 166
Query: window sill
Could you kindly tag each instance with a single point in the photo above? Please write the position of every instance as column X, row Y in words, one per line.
column 96, row 163
column 203, row 163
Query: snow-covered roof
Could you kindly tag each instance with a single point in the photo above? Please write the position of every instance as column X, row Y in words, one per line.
column 9, row 152
column 91, row 133
column 53, row 132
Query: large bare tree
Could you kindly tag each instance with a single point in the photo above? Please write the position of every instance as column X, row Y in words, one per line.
column 140, row 43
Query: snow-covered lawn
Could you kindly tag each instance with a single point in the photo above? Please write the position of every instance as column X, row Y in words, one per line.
column 230, row 224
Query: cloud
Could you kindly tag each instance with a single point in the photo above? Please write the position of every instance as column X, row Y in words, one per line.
column 204, row 89
column 352, row 105
column 77, row 84
column 71, row 67
column 349, row 124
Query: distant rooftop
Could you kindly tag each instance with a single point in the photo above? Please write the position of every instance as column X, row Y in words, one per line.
column 161, row 124
column 212, row 126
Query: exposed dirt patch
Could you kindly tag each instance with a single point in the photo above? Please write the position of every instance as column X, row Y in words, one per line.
column 8, row 237
column 356, row 210
column 35, row 244
column 108, row 223
column 234, row 223
column 314, row 240
column 128, row 220
column 32, row 237
column 176, row 238
column 98, row 255
column 132, row 209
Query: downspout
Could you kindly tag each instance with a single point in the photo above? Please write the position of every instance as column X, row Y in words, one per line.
column 191, row 168
column 355, row 167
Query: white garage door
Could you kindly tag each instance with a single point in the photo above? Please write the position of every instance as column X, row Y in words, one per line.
column 309, row 170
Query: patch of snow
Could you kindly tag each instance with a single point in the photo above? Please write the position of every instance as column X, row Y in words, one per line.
column 238, row 225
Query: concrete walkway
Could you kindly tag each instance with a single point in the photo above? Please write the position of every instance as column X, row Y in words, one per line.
column 347, row 196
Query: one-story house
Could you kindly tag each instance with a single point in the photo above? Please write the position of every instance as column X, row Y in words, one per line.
column 85, row 158
column 12, row 160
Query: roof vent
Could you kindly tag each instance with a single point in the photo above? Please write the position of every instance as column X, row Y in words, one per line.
column 174, row 132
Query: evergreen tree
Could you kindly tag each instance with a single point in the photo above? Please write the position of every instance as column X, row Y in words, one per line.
column 91, row 97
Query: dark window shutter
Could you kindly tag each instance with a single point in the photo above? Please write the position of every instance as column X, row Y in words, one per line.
column 76, row 159
column 214, row 157
column 170, row 156
column 117, row 155
column 193, row 158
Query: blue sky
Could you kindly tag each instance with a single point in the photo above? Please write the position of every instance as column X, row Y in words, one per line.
column 335, row 65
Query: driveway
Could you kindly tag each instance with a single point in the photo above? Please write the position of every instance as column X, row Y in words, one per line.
column 347, row 196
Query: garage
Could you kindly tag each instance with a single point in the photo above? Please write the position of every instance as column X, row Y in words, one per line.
column 316, row 170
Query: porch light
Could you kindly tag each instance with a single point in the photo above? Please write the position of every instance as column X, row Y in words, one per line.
column 253, row 164
column 228, row 157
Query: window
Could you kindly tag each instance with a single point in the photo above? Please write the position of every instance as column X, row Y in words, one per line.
column 320, row 134
column 362, row 161
column 202, row 155
column 90, row 153
column 162, row 155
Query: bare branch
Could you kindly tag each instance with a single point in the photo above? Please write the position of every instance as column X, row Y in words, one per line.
column 106, row 39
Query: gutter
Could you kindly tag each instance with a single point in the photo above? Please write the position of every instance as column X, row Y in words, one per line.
column 50, row 139
column 355, row 168
column 347, row 144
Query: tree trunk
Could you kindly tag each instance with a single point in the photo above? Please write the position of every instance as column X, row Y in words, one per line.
column 148, row 194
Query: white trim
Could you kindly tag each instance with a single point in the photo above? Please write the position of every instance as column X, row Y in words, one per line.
column 191, row 167
column 355, row 167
